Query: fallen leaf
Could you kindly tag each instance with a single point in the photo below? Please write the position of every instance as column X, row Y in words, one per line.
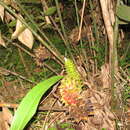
column 2, row 12
column 7, row 115
column 8, row 17
column 5, row 119
column 2, row 125
column 26, row 38
column 2, row 42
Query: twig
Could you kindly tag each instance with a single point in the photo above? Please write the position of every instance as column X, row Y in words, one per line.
column 44, row 124
column 55, row 119
column 24, row 64
column 16, row 74
column 40, row 108
column 26, row 51
column 76, row 10
column 45, row 7
column 81, row 22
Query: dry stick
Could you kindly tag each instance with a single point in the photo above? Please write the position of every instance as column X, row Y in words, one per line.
column 41, row 108
column 26, row 51
column 44, row 9
column 80, row 30
column 9, row 105
column 16, row 74
column 20, row 82
column 109, row 30
column 23, row 62
column 81, row 22
column 52, row 92
column 55, row 119
column 45, row 121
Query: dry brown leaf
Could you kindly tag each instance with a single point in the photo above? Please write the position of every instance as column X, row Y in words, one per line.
column 2, row 125
column 4, row 15
column 2, row 12
column 26, row 38
column 8, row 17
column 7, row 115
column 24, row 35
column 12, row 3
column 2, row 42
column 5, row 119
column 8, row 2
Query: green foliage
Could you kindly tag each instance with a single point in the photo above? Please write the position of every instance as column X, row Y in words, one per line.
column 123, row 12
column 0, row 84
column 50, row 11
column 29, row 104
column 52, row 128
column 12, row 23
column 63, row 126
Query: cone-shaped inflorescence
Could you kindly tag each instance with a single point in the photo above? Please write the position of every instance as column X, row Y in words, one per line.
column 71, row 85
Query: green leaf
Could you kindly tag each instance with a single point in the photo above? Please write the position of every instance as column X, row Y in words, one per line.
column 12, row 23
column 52, row 128
column 123, row 12
column 50, row 11
column 29, row 104
column 70, row 129
column 65, row 125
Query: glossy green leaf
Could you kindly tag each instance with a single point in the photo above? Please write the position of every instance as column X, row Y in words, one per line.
column 123, row 12
column 50, row 11
column 29, row 104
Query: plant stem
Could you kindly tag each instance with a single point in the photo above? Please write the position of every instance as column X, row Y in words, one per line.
column 114, row 60
column 63, row 30
column 76, row 9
